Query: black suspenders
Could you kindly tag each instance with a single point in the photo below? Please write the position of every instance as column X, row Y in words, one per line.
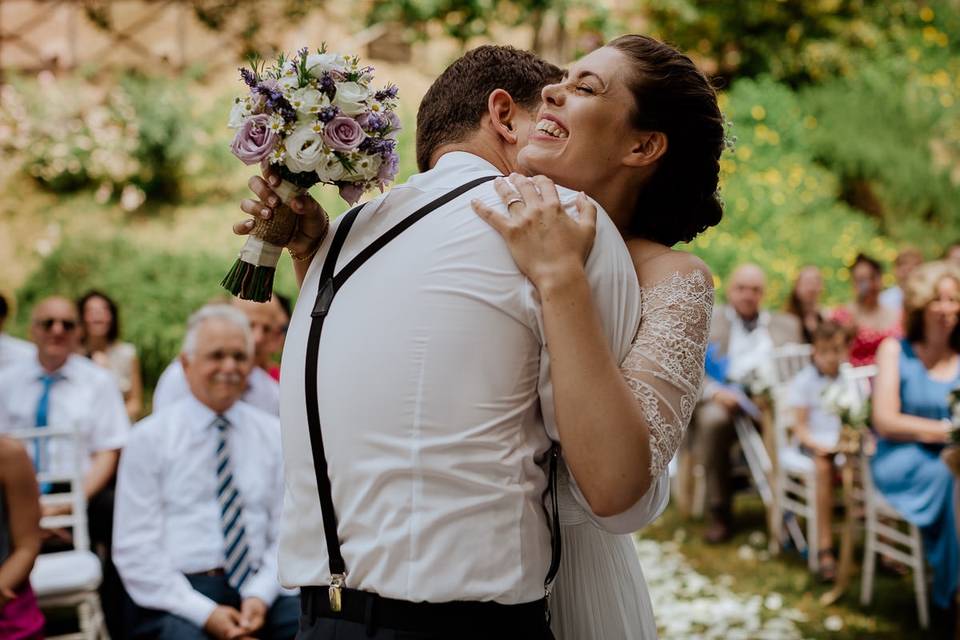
column 329, row 285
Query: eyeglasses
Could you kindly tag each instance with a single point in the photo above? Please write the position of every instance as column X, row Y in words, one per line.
column 47, row 324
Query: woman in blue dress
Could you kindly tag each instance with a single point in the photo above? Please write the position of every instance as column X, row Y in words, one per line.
column 911, row 417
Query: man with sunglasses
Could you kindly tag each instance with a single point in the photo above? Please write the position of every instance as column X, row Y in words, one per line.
column 58, row 388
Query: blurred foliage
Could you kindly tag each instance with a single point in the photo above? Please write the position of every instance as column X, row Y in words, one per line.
column 132, row 139
column 155, row 291
column 800, row 41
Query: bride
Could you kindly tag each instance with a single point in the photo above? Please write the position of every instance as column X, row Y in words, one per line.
column 637, row 127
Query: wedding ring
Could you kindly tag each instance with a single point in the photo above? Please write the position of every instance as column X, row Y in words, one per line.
column 513, row 201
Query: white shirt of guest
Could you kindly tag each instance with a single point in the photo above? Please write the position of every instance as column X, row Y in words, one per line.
column 86, row 399
column 748, row 351
column 14, row 350
column 892, row 298
column 806, row 392
column 263, row 392
column 435, row 400
column 167, row 520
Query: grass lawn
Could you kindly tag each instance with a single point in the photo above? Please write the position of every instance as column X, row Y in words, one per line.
column 892, row 613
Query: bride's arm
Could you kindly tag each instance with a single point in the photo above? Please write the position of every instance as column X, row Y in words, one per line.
column 611, row 427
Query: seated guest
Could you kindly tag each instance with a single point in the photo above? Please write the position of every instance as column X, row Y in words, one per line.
column 804, row 300
column 742, row 337
column 869, row 321
column 59, row 388
column 907, row 260
column 198, row 500
column 101, row 343
column 818, row 430
column 12, row 349
column 283, row 310
column 20, row 618
column 911, row 416
column 262, row 390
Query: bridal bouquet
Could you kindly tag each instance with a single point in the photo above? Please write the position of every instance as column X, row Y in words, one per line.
column 843, row 400
column 317, row 119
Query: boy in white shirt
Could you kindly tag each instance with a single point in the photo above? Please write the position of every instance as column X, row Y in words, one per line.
column 817, row 429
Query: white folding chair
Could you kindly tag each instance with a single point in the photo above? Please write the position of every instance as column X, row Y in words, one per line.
column 890, row 535
column 67, row 579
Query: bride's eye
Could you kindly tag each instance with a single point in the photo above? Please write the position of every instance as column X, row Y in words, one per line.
column 585, row 88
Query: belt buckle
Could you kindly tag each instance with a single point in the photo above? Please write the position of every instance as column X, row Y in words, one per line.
column 336, row 583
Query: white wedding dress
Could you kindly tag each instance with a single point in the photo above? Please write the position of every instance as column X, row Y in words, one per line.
column 600, row 592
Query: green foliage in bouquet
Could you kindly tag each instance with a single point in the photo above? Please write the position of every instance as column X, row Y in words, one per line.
column 155, row 291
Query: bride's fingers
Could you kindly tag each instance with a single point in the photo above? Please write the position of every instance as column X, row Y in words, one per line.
column 506, row 192
column 548, row 191
column 243, row 228
column 528, row 190
column 256, row 208
column 499, row 222
column 587, row 211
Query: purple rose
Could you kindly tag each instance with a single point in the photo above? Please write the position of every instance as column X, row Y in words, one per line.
column 351, row 192
column 343, row 133
column 395, row 125
column 254, row 140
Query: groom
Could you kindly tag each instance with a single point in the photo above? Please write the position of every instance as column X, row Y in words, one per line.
column 432, row 384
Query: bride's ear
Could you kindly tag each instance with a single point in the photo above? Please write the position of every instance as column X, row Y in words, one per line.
column 648, row 147
column 502, row 111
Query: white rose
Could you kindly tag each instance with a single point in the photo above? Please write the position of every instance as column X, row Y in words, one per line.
column 304, row 149
column 330, row 168
column 350, row 98
column 239, row 113
column 318, row 63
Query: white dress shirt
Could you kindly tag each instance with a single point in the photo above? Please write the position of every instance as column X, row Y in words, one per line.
column 892, row 298
column 806, row 392
column 431, row 373
column 167, row 521
column 14, row 350
column 749, row 350
column 263, row 392
column 86, row 399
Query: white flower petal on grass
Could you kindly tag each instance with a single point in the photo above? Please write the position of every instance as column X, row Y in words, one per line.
column 774, row 602
column 746, row 553
column 833, row 623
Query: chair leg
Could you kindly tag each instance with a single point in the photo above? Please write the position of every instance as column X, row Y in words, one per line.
column 813, row 536
column 919, row 578
column 778, row 522
column 869, row 564
column 699, row 506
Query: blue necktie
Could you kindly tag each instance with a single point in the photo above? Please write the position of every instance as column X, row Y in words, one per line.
column 40, row 451
column 238, row 564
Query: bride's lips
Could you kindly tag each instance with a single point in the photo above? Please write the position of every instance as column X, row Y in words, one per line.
column 540, row 135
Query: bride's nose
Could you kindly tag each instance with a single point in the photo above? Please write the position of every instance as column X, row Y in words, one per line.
column 552, row 95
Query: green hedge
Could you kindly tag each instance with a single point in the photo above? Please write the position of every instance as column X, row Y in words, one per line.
column 155, row 291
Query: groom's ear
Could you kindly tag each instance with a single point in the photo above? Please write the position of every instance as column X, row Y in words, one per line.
column 502, row 111
column 647, row 148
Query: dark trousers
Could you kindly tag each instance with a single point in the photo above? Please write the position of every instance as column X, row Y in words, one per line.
column 281, row 622
column 715, row 434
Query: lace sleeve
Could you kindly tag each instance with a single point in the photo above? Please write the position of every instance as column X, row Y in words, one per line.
column 665, row 365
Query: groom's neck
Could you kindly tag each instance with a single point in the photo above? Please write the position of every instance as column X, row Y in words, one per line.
column 505, row 160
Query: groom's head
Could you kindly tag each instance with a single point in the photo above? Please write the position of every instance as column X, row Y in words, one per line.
column 492, row 91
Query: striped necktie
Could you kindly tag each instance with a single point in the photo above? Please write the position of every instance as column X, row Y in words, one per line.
column 238, row 565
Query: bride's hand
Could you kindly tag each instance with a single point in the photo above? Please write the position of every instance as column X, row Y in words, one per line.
column 313, row 220
column 547, row 244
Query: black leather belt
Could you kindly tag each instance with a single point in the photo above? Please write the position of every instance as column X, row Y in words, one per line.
column 447, row 619
column 209, row 573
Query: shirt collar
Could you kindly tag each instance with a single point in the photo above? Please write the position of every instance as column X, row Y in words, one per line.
column 453, row 169
column 65, row 372
column 202, row 416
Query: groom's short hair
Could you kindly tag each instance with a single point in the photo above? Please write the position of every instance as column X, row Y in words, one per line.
column 457, row 100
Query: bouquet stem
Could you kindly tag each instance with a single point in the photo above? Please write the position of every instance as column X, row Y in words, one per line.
column 251, row 276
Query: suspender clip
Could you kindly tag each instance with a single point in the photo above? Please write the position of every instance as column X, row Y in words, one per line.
column 336, row 583
column 324, row 299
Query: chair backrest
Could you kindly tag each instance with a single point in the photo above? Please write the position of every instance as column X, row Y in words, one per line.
column 788, row 360
column 69, row 476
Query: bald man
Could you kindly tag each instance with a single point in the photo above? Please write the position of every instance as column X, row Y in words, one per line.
column 743, row 337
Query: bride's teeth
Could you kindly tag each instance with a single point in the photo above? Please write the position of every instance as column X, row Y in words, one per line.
column 552, row 128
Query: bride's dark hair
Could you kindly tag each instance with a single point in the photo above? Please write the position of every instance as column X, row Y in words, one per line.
column 674, row 97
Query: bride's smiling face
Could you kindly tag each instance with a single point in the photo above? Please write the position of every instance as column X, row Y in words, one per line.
column 583, row 131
